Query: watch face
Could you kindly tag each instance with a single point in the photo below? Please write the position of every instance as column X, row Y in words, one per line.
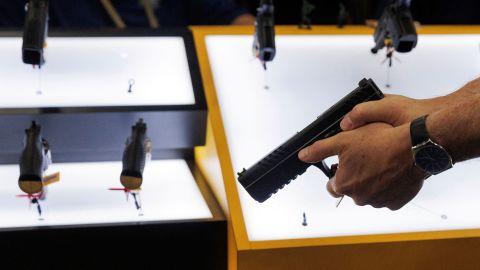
column 433, row 159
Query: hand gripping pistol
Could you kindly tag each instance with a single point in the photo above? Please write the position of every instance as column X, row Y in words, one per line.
column 282, row 165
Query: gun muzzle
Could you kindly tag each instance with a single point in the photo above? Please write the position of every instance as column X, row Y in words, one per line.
column 264, row 43
column 134, row 157
column 396, row 24
column 35, row 32
column 33, row 161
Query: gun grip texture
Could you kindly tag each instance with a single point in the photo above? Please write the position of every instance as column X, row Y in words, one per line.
column 134, row 157
column 282, row 165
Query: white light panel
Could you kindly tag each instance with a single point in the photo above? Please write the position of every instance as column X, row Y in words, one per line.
column 169, row 192
column 95, row 71
column 308, row 75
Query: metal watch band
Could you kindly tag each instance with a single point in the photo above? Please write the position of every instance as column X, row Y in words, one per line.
column 418, row 131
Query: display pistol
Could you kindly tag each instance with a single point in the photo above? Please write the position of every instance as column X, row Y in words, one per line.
column 282, row 165
column 34, row 161
column 396, row 28
column 35, row 32
column 137, row 150
column 264, row 38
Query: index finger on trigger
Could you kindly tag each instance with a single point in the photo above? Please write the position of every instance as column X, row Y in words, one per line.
column 320, row 150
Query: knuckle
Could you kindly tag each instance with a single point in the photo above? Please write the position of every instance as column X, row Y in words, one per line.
column 316, row 145
column 360, row 201
column 394, row 206
column 341, row 188
column 357, row 112
column 377, row 205
column 314, row 148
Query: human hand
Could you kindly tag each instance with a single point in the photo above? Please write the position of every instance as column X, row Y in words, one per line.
column 375, row 165
column 395, row 110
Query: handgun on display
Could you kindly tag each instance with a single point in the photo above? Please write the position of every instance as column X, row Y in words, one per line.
column 282, row 165
column 396, row 28
column 35, row 32
column 34, row 161
column 264, row 39
column 137, row 148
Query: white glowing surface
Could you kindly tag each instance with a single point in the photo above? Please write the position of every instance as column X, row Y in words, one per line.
column 309, row 74
column 95, row 71
column 169, row 192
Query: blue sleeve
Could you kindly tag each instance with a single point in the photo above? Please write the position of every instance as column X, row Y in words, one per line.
column 216, row 12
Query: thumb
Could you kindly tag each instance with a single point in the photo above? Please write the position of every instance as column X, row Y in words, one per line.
column 320, row 150
column 368, row 112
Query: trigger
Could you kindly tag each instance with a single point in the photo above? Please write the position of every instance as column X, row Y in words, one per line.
column 325, row 169
column 329, row 172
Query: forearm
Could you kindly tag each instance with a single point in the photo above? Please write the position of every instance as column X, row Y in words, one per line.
column 465, row 93
column 398, row 110
column 457, row 127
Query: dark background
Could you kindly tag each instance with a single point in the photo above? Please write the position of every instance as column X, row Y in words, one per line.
column 90, row 14
column 326, row 11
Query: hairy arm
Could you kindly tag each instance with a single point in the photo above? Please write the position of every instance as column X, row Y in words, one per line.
column 397, row 110
column 457, row 128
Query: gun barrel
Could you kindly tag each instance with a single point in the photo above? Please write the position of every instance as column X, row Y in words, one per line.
column 35, row 32
column 265, row 32
column 282, row 165
column 397, row 24
column 33, row 161
column 134, row 157
column 404, row 33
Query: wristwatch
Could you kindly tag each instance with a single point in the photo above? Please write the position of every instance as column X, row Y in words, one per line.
column 429, row 156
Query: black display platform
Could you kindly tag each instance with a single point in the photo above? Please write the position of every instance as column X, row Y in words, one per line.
column 185, row 244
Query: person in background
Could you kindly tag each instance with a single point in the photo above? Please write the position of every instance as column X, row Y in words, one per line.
column 130, row 13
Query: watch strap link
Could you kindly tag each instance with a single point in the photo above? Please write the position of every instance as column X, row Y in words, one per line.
column 418, row 131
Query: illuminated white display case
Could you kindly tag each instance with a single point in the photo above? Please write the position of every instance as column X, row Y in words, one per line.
column 83, row 196
column 309, row 74
column 258, row 111
column 95, row 85
column 92, row 89
column 98, row 71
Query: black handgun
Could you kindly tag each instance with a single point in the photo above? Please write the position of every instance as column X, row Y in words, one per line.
column 35, row 32
column 34, row 160
column 264, row 39
column 134, row 156
column 282, row 165
column 396, row 25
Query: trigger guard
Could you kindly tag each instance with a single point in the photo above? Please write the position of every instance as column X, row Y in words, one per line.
column 330, row 173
